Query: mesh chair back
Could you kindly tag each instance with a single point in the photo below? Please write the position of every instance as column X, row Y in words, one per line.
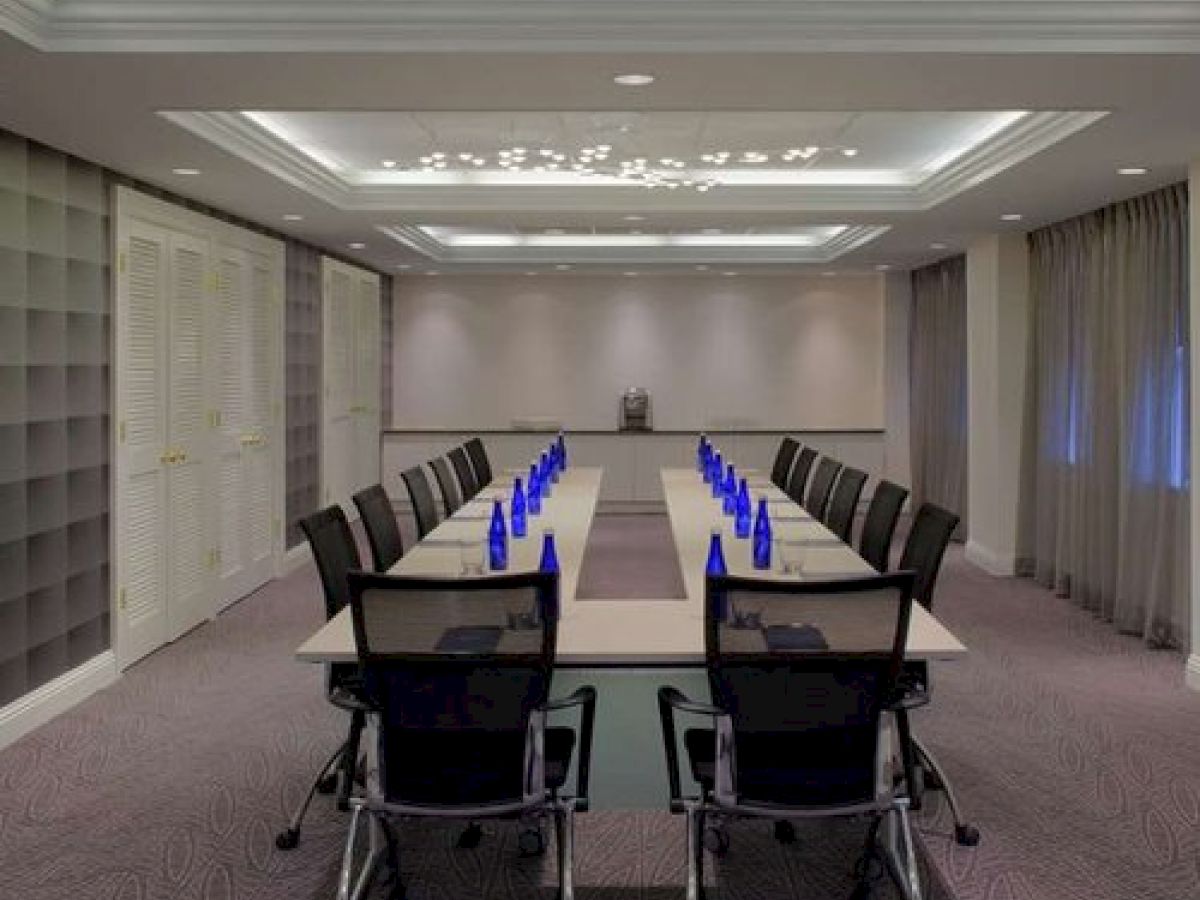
column 925, row 547
column 822, row 484
column 479, row 461
column 783, row 462
column 421, row 495
column 804, row 671
column 451, row 501
column 336, row 555
column 466, row 475
column 875, row 543
column 844, row 502
column 799, row 477
column 379, row 519
column 458, row 669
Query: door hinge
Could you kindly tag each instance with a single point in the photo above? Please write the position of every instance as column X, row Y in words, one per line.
column 214, row 418
column 122, row 602
column 121, row 261
column 212, row 559
column 121, row 431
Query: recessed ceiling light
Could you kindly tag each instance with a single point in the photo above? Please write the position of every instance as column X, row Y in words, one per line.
column 631, row 274
column 403, row 265
column 701, row 268
column 389, row 163
column 633, row 79
column 293, row 217
column 432, row 272
column 531, row 273
column 829, row 274
column 186, row 171
column 1011, row 217
column 882, row 267
column 1133, row 170
column 562, row 267
column 356, row 245
column 729, row 273
column 937, row 246
column 634, row 218
column 849, row 151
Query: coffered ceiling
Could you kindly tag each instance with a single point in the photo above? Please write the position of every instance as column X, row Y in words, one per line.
column 767, row 136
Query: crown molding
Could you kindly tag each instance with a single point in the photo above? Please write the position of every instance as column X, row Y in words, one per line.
column 240, row 136
column 418, row 239
column 815, row 26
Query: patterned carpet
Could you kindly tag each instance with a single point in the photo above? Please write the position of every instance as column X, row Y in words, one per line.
column 1075, row 750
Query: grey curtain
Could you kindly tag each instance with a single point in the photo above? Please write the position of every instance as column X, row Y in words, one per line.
column 938, row 386
column 1105, row 494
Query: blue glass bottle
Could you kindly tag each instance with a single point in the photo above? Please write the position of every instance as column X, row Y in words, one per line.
column 707, row 461
column 718, row 482
column 761, row 550
column 497, row 540
column 716, row 556
column 716, row 568
column 562, row 451
column 545, row 476
column 729, row 492
column 552, row 454
column 741, row 512
column 533, row 497
column 549, row 560
column 518, row 509
column 702, row 453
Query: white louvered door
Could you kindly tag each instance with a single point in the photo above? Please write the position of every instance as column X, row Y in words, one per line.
column 190, row 550
column 245, row 386
column 198, row 387
column 350, row 433
column 366, row 381
column 141, row 461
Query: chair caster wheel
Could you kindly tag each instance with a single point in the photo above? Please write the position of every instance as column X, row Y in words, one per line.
column 287, row 839
column 470, row 837
column 966, row 835
column 785, row 832
column 716, row 840
column 531, row 842
column 328, row 784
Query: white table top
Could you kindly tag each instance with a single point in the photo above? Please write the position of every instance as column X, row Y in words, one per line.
column 643, row 631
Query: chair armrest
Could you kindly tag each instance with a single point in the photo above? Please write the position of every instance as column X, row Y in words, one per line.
column 671, row 699
column 585, row 698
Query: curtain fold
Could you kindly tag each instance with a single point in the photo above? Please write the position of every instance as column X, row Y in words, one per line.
column 938, row 386
column 1104, row 515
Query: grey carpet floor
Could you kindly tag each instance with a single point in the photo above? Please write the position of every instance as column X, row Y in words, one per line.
column 1076, row 750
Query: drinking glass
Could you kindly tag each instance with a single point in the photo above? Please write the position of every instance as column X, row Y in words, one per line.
column 470, row 551
column 791, row 555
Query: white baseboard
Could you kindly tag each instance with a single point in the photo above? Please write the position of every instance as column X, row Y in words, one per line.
column 55, row 697
column 1002, row 565
column 1191, row 672
column 296, row 558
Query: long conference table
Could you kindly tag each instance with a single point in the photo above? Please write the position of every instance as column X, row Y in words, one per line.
column 628, row 648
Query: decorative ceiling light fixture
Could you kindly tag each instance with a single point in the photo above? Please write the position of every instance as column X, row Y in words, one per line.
column 701, row 172
column 633, row 79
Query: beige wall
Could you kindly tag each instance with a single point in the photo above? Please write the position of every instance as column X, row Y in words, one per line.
column 768, row 351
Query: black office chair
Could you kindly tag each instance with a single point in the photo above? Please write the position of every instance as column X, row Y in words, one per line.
column 784, row 458
column 451, row 501
column 460, row 671
column 923, row 552
column 799, row 477
column 801, row 675
column 839, row 515
column 822, row 484
column 479, row 461
column 336, row 555
column 379, row 520
column 879, row 526
column 466, row 475
column 421, row 496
